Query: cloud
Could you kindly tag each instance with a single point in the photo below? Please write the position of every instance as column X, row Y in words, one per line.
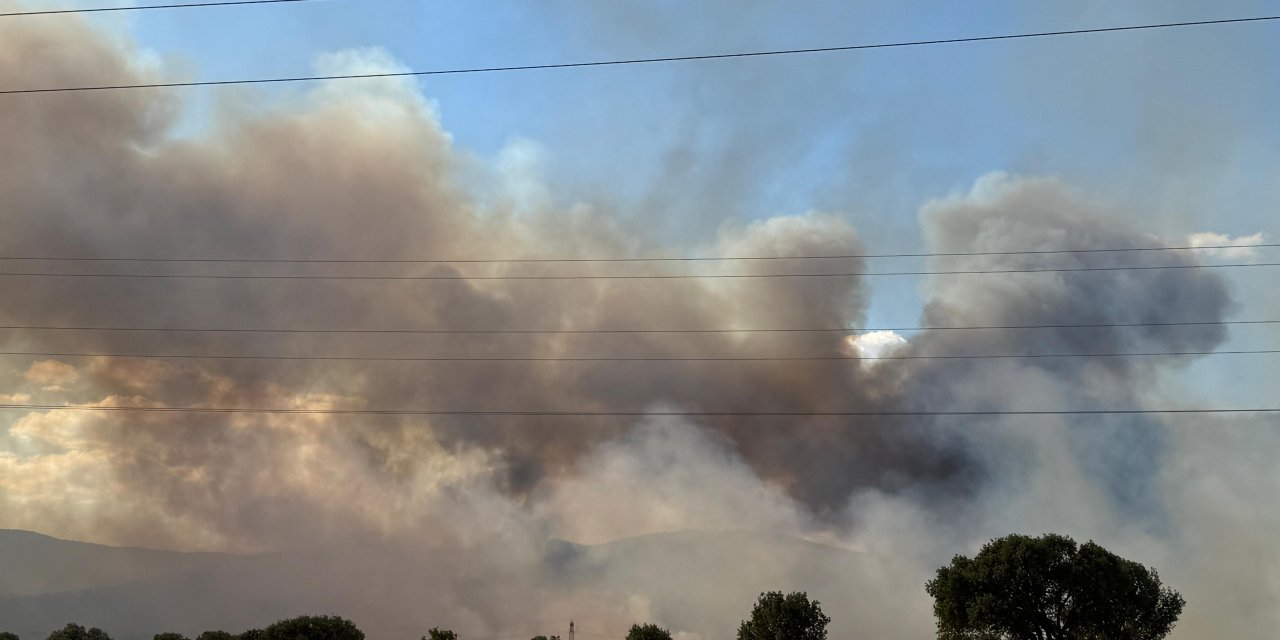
column 874, row 344
column 51, row 373
column 1240, row 246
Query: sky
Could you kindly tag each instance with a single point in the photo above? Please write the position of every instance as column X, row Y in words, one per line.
column 1162, row 137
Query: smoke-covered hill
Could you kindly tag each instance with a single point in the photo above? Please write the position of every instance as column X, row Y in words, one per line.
column 700, row 583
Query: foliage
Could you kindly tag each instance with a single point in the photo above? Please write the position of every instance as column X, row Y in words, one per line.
column 440, row 634
column 648, row 632
column 252, row 634
column 216, row 635
column 169, row 635
column 5, row 635
column 546, row 638
column 77, row 632
column 313, row 628
column 1050, row 588
column 792, row 617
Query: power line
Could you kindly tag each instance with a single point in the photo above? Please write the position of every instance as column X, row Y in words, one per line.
column 223, row 3
column 191, row 356
column 677, row 276
column 652, row 259
column 638, row 61
column 569, row 414
column 1109, row 325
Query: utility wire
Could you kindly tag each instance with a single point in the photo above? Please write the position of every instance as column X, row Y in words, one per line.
column 223, row 3
column 567, row 414
column 638, row 61
column 677, row 276
column 656, row 259
column 1109, row 325
column 191, row 356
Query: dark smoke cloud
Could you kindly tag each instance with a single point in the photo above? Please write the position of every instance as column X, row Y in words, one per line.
column 361, row 170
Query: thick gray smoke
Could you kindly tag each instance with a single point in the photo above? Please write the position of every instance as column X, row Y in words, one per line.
column 364, row 170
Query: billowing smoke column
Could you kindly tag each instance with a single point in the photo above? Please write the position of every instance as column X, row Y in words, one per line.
column 361, row 170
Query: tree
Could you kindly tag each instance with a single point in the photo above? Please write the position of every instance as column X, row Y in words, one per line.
column 169, row 635
column 252, row 634
column 216, row 635
column 648, row 632
column 440, row 634
column 77, row 632
column 313, row 628
column 790, row 617
column 5, row 635
column 1048, row 588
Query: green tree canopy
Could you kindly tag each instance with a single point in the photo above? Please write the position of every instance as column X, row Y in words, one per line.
column 216, row 635
column 169, row 635
column 648, row 632
column 313, row 628
column 5, row 635
column 1049, row 588
column 252, row 634
column 440, row 634
column 791, row 617
column 77, row 632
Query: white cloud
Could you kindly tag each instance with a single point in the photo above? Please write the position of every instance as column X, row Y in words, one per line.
column 874, row 344
column 1241, row 246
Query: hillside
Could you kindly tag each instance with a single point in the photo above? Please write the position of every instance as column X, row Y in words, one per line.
column 698, row 581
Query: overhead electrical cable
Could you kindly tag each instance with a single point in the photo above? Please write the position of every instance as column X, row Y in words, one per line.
column 669, row 276
column 815, row 358
column 193, row 5
column 639, row 61
column 570, row 414
column 1108, row 325
column 633, row 259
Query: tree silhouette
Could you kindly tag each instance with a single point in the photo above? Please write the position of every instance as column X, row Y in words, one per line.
column 1048, row 588
column 648, row 632
column 77, row 632
column 440, row 634
column 313, row 628
column 790, row 617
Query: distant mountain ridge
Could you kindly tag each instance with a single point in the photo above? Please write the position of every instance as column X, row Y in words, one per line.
column 36, row 564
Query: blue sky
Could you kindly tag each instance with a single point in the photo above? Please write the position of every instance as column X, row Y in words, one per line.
column 1171, row 128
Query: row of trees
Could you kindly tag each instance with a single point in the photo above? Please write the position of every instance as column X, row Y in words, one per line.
column 774, row 616
column 300, row 628
column 1015, row 588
